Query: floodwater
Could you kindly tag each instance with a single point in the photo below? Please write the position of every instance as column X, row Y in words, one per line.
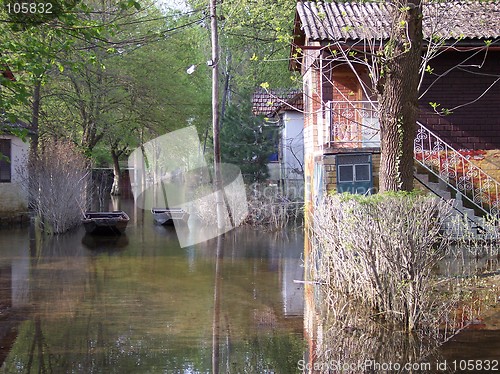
column 141, row 304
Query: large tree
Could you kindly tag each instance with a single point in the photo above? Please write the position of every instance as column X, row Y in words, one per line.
column 398, row 95
column 115, row 90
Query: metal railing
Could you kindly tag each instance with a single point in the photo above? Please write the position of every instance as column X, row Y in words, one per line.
column 355, row 124
column 351, row 124
column 457, row 171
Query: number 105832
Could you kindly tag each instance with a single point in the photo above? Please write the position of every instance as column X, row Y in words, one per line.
column 28, row 8
column 475, row 365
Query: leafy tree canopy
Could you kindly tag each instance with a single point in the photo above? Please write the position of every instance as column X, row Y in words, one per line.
column 246, row 142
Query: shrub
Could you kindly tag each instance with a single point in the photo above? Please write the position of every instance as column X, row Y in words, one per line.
column 57, row 186
column 379, row 252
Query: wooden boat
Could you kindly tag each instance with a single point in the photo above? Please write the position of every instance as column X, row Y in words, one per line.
column 105, row 222
column 167, row 216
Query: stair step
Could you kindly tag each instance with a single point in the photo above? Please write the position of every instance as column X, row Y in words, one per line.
column 463, row 221
column 438, row 189
column 423, row 178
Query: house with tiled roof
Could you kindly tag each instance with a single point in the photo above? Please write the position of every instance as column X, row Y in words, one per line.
column 459, row 105
column 284, row 109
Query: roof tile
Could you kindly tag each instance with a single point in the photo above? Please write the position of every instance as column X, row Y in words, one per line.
column 341, row 21
column 269, row 103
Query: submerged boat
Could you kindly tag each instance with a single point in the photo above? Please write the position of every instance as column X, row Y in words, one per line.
column 105, row 222
column 167, row 216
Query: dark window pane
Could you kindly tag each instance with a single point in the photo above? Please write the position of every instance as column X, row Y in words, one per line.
column 352, row 159
column 5, row 174
column 362, row 172
column 345, row 173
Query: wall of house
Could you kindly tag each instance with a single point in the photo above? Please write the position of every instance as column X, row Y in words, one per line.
column 293, row 145
column 313, row 115
column 337, row 83
column 13, row 197
column 330, row 172
column 292, row 154
column 472, row 95
column 340, row 83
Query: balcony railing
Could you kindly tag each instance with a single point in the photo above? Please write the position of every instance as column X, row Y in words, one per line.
column 351, row 124
column 454, row 167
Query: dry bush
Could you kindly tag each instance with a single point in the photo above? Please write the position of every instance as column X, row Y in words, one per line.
column 379, row 252
column 57, row 184
column 480, row 241
column 267, row 208
column 363, row 347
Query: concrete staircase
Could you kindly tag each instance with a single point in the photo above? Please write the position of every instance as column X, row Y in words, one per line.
column 463, row 221
column 451, row 175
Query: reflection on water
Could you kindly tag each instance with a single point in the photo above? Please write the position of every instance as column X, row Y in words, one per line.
column 141, row 304
column 345, row 339
column 138, row 303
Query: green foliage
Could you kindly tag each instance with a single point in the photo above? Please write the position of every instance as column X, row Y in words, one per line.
column 246, row 142
column 378, row 197
column 255, row 42
column 32, row 47
column 112, row 73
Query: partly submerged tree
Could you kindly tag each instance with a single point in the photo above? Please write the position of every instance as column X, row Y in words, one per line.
column 58, row 185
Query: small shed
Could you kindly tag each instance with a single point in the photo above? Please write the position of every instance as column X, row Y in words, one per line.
column 14, row 153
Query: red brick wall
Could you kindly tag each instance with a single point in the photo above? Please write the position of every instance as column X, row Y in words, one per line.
column 346, row 84
column 477, row 125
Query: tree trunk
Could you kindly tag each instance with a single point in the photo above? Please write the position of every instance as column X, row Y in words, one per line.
column 398, row 97
column 33, row 151
column 115, row 189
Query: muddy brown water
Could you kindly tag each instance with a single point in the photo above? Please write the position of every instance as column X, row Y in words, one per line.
column 140, row 303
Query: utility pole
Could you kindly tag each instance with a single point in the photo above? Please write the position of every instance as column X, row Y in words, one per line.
column 215, row 116
column 217, row 183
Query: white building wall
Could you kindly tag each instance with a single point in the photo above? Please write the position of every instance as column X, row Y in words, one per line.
column 292, row 163
column 293, row 144
column 13, row 196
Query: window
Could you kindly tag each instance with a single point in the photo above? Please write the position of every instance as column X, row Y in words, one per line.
column 354, row 168
column 346, row 173
column 354, row 173
column 362, row 173
column 5, row 156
